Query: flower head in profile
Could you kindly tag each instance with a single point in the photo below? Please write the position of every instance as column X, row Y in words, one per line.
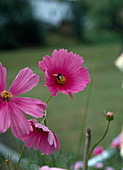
column 41, row 137
column 48, row 168
column 116, row 142
column 119, row 62
column 98, row 150
column 99, row 165
column 78, row 165
column 64, row 72
column 109, row 168
column 12, row 107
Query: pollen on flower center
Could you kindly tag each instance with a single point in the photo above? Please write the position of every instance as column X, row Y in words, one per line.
column 6, row 95
column 60, row 79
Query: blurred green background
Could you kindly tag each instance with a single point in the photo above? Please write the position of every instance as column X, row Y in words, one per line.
column 94, row 29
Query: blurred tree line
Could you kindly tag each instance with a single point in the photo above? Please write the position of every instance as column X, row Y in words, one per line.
column 18, row 28
column 108, row 15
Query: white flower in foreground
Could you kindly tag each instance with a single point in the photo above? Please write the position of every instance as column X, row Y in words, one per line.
column 121, row 144
column 119, row 62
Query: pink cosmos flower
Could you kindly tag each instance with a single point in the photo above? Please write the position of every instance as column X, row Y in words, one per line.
column 48, row 168
column 116, row 142
column 78, row 165
column 64, row 72
column 99, row 165
column 98, row 150
column 109, row 168
column 12, row 108
column 41, row 137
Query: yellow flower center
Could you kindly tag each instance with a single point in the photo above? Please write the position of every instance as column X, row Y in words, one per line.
column 60, row 79
column 6, row 95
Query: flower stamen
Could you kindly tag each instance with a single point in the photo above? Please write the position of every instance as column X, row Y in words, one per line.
column 6, row 95
column 60, row 79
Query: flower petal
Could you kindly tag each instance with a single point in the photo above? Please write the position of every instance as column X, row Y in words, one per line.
column 24, row 82
column 47, row 64
column 31, row 106
column 56, row 143
column 50, row 138
column 4, row 117
column 2, row 78
column 44, row 144
column 19, row 124
column 77, row 82
column 66, row 63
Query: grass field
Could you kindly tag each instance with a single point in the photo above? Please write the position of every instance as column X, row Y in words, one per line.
column 64, row 114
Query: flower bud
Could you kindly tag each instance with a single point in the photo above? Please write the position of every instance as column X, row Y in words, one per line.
column 6, row 161
column 110, row 116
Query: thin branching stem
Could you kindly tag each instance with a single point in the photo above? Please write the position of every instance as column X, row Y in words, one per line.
column 100, row 139
column 20, row 156
column 8, row 166
column 48, row 99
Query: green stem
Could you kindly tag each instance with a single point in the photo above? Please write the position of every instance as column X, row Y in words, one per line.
column 120, row 166
column 44, row 120
column 8, row 166
column 20, row 156
column 86, row 109
column 100, row 139
column 48, row 99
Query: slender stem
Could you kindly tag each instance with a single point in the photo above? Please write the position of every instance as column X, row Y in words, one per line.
column 100, row 139
column 87, row 146
column 86, row 109
column 20, row 156
column 48, row 99
column 121, row 165
column 8, row 166
column 44, row 120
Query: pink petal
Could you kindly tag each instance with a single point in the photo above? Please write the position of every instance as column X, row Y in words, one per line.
column 4, row 117
column 66, row 62
column 47, row 64
column 32, row 140
column 45, row 168
column 19, row 124
column 31, row 106
column 52, row 89
column 56, row 143
column 1, row 100
column 37, row 141
column 24, row 82
column 50, row 138
column 44, row 145
column 2, row 78
column 51, row 83
column 28, row 139
column 42, row 66
column 77, row 82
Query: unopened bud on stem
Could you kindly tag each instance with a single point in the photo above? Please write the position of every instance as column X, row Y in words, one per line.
column 110, row 116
